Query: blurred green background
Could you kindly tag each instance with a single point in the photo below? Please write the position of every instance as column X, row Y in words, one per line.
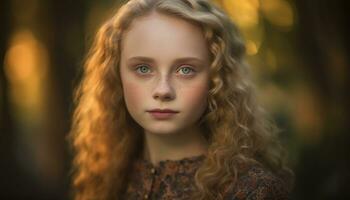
column 299, row 56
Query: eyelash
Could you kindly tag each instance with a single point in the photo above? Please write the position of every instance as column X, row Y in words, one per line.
column 191, row 69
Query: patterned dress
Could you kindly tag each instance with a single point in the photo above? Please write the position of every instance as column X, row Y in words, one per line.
column 174, row 179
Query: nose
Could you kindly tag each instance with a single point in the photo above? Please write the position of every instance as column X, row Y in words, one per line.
column 163, row 90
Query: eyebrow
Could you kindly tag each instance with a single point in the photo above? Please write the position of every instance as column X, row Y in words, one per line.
column 179, row 60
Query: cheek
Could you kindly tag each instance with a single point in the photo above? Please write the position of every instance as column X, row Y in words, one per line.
column 196, row 96
column 133, row 93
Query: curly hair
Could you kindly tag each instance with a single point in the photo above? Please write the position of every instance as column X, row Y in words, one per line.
column 105, row 138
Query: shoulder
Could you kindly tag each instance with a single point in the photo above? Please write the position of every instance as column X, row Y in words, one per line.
column 259, row 184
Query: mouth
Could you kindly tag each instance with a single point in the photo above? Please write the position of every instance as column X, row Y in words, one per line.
column 162, row 113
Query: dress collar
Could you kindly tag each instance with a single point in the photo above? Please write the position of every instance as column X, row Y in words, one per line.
column 186, row 160
column 187, row 164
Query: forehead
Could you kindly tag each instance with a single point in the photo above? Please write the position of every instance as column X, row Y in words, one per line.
column 158, row 35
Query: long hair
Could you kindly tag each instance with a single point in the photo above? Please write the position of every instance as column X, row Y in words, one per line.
column 105, row 138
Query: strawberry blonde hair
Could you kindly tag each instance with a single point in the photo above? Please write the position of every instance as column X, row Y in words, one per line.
column 106, row 139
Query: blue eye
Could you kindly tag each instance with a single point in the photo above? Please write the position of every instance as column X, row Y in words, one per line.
column 186, row 70
column 142, row 69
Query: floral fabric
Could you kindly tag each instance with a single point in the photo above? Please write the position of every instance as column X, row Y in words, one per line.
column 174, row 179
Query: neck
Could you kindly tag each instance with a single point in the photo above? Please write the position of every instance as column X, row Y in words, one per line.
column 158, row 147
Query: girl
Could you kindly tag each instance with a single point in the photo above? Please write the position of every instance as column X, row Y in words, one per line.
column 165, row 110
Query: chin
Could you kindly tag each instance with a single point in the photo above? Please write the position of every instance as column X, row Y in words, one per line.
column 164, row 130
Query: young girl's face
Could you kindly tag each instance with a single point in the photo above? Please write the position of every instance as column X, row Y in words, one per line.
column 164, row 65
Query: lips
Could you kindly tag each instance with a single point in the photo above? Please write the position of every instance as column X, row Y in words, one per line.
column 162, row 111
column 162, row 114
